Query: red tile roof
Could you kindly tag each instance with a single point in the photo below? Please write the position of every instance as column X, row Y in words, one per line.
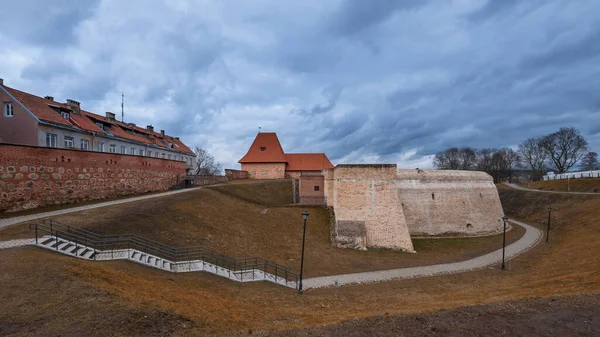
column 41, row 108
column 307, row 162
column 272, row 151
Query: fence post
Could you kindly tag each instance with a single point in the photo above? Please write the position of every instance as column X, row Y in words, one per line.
column 36, row 239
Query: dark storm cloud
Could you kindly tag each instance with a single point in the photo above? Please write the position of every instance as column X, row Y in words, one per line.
column 387, row 81
column 49, row 23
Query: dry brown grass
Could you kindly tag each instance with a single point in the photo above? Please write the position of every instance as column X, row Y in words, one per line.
column 231, row 223
column 567, row 266
column 576, row 185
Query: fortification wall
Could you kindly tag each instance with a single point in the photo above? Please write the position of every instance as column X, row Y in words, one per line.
column 365, row 203
column 265, row 170
column 449, row 202
column 31, row 177
column 380, row 206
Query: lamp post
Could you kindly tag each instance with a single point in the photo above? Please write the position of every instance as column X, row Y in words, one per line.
column 305, row 217
column 505, row 219
column 548, row 231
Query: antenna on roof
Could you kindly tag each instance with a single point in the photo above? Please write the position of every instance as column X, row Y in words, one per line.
column 259, row 129
column 122, row 113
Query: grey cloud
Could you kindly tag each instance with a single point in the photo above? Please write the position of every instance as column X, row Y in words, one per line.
column 49, row 24
column 355, row 16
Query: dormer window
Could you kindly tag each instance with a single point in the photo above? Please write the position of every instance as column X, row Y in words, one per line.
column 262, row 149
column 100, row 125
column 65, row 115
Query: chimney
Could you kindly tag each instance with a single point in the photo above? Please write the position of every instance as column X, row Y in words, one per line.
column 162, row 133
column 110, row 116
column 176, row 138
column 49, row 98
column 131, row 125
column 74, row 105
column 1, row 81
column 150, row 128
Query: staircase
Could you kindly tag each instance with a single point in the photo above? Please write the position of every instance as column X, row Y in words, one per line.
column 88, row 245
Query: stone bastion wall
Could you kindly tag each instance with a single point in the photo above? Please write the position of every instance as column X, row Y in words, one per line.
column 381, row 206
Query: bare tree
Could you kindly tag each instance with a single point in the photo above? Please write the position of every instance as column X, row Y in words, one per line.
column 565, row 148
column 534, row 155
column 589, row 162
column 484, row 159
column 456, row 159
column 468, row 158
column 205, row 162
column 447, row 160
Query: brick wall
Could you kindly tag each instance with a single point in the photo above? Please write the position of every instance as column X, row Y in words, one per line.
column 308, row 194
column 235, row 174
column 380, row 206
column 367, row 210
column 32, row 177
column 265, row 170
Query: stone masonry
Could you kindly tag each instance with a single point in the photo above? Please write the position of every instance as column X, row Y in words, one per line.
column 32, row 177
column 381, row 206
column 264, row 170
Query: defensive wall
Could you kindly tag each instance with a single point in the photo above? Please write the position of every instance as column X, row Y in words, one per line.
column 264, row 170
column 32, row 177
column 382, row 206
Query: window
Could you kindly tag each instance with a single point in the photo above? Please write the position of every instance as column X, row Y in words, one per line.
column 149, row 153
column 100, row 125
column 65, row 115
column 8, row 110
column 85, row 144
column 100, row 147
column 112, row 148
column 316, row 188
column 69, row 141
column 156, row 155
column 132, row 151
column 169, row 156
column 51, row 140
column 123, row 149
column 140, row 152
column 163, row 155
column 262, row 149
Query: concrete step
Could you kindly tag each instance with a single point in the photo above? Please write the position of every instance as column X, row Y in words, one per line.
column 45, row 241
column 66, row 247
column 63, row 244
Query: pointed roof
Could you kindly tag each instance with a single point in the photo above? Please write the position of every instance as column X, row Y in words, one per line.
column 265, row 149
column 307, row 162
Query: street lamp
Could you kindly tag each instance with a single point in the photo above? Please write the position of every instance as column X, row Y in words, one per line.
column 505, row 219
column 305, row 217
column 548, row 231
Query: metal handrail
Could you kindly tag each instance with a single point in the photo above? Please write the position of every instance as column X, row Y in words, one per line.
column 111, row 242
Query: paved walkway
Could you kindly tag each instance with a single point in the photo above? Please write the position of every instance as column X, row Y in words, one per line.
column 531, row 238
column 15, row 220
column 16, row 243
column 517, row 187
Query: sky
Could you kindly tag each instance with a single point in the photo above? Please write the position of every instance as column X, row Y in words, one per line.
column 384, row 81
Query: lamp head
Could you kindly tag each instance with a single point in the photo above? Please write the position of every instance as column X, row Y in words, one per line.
column 305, row 215
column 505, row 218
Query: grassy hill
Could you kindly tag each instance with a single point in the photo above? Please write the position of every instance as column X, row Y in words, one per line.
column 577, row 185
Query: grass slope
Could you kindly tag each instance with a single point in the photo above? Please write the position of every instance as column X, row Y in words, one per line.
column 576, row 185
column 202, row 304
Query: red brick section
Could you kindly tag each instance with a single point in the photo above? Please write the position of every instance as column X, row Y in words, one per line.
column 235, row 174
column 31, row 177
column 312, row 190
